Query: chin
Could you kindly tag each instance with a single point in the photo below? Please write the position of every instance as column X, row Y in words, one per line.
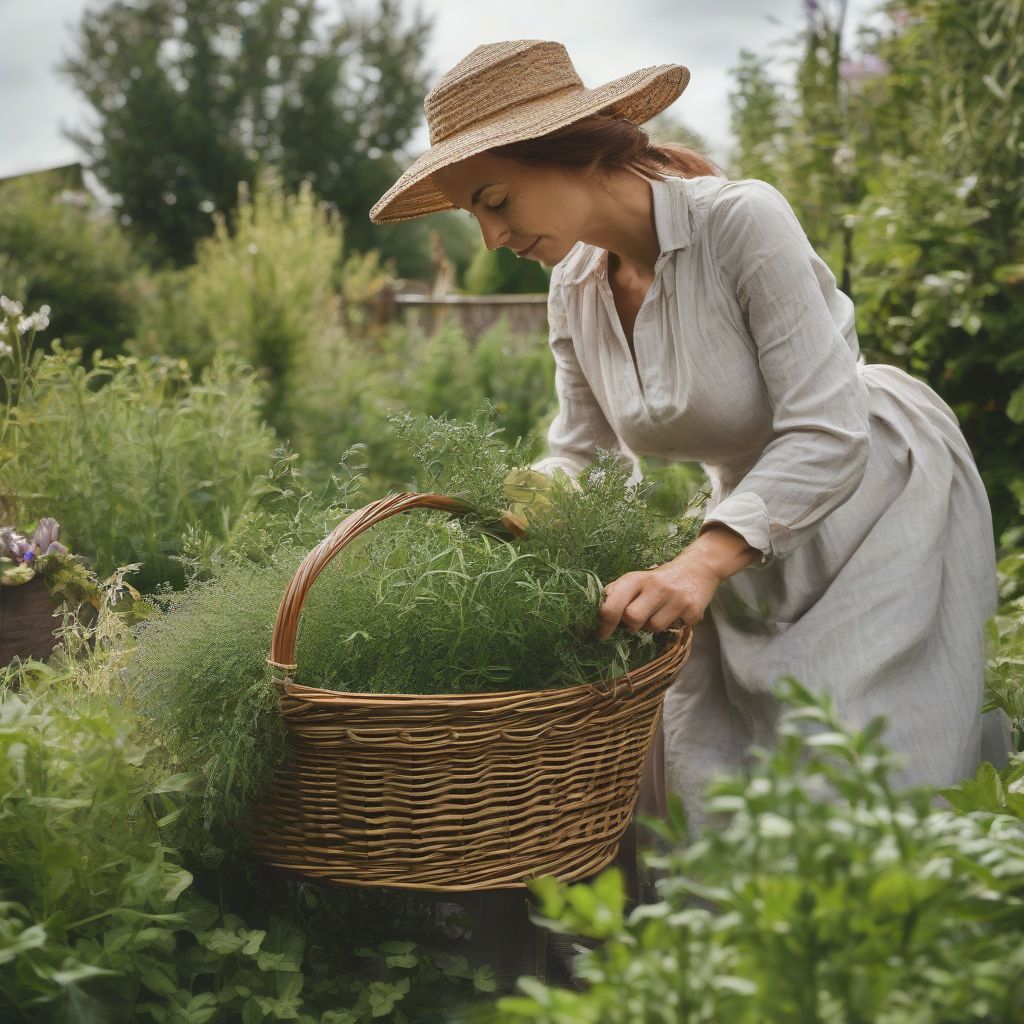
column 547, row 261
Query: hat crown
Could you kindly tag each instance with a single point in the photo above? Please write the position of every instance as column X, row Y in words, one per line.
column 496, row 77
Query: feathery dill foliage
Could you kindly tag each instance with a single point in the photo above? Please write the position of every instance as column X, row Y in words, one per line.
column 422, row 603
column 605, row 525
column 200, row 680
column 427, row 606
column 462, row 459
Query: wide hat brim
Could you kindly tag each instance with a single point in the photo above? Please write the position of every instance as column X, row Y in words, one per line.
column 638, row 96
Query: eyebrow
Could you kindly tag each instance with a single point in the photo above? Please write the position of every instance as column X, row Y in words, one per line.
column 475, row 198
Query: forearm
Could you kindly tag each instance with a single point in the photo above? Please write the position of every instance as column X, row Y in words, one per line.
column 722, row 550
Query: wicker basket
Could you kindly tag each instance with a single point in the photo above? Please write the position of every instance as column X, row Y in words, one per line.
column 454, row 793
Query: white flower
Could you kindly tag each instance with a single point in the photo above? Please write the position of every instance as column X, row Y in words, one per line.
column 843, row 159
column 9, row 306
column 936, row 282
column 966, row 186
column 596, row 476
column 5, row 350
column 253, row 248
column 34, row 321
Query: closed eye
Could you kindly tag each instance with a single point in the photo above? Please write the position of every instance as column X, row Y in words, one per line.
column 497, row 206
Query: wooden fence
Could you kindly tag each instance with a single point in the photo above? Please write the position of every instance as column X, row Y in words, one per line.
column 474, row 313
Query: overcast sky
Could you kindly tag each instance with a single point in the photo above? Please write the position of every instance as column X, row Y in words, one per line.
column 605, row 40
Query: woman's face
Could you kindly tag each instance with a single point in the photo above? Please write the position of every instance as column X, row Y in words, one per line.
column 538, row 212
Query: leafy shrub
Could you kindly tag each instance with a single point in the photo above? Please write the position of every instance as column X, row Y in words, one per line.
column 354, row 383
column 100, row 919
column 261, row 290
column 516, row 374
column 90, row 893
column 130, row 453
column 835, row 898
column 62, row 251
column 502, row 272
column 933, row 298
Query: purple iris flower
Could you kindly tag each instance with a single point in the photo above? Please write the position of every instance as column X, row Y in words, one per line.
column 13, row 544
column 47, row 531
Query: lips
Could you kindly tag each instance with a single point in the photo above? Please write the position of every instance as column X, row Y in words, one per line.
column 524, row 252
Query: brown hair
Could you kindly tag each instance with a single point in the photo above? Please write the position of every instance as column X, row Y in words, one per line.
column 609, row 142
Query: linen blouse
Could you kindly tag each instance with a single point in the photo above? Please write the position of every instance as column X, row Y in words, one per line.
column 853, row 481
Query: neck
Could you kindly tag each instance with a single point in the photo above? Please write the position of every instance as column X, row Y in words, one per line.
column 622, row 221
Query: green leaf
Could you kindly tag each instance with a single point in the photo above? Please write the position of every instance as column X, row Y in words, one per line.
column 382, row 995
column 1015, row 406
column 162, row 981
column 282, row 948
column 81, row 972
column 33, row 937
column 252, row 1011
column 484, row 979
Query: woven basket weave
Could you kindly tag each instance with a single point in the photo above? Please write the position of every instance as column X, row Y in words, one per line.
column 454, row 793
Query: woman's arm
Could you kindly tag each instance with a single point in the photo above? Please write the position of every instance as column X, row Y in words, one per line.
column 679, row 590
column 580, row 426
column 819, row 452
column 820, row 420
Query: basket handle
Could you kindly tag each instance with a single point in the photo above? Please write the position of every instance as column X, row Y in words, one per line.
column 282, row 647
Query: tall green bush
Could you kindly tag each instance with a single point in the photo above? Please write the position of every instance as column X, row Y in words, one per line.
column 261, row 290
column 190, row 97
column 501, row 271
column 905, row 164
column 129, row 454
column 62, row 250
column 939, row 242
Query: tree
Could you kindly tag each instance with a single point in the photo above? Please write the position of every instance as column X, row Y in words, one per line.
column 756, row 120
column 192, row 97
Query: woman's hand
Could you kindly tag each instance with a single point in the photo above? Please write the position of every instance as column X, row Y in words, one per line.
column 679, row 590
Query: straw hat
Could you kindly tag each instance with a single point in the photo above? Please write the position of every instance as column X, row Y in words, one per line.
column 510, row 91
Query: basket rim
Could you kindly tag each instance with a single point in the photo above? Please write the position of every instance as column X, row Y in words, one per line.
column 678, row 649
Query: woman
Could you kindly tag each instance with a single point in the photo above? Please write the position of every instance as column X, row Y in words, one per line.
column 848, row 538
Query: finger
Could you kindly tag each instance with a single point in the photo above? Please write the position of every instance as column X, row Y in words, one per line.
column 618, row 594
column 665, row 618
column 645, row 606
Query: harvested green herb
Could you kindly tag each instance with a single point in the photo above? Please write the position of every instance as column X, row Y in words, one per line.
column 422, row 603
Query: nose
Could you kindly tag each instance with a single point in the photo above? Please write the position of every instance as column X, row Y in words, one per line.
column 495, row 233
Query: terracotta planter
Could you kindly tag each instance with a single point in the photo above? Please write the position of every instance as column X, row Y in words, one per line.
column 27, row 622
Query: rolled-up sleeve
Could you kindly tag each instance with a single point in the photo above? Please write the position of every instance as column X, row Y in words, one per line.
column 580, row 427
column 819, row 450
